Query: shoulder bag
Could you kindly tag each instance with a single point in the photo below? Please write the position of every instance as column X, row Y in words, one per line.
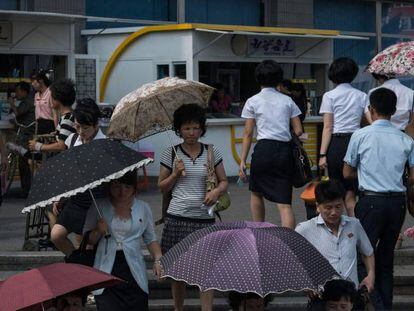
column 302, row 173
column 223, row 202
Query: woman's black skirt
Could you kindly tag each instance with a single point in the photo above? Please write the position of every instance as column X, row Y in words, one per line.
column 127, row 296
column 177, row 228
column 271, row 170
column 335, row 158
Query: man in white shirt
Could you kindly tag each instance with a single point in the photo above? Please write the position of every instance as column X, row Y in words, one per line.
column 338, row 237
column 405, row 98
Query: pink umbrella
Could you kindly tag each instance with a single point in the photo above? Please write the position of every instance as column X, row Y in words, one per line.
column 247, row 257
column 39, row 285
column 397, row 59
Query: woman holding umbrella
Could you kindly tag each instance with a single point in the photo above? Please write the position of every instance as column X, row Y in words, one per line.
column 127, row 220
column 71, row 213
column 188, row 208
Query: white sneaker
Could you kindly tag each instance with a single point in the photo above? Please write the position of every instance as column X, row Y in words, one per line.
column 16, row 148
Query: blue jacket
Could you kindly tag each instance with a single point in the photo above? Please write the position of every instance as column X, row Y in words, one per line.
column 142, row 226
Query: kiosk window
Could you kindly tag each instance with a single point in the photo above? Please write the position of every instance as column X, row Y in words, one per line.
column 163, row 71
column 180, row 71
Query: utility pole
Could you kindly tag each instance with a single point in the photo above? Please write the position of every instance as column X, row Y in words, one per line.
column 378, row 25
column 181, row 11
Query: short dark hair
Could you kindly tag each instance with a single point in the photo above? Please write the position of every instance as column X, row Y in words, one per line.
column 24, row 86
column 189, row 113
column 334, row 290
column 327, row 191
column 287, row 84
column 64, row 92
column 87, row 112
column 236, row 298
column 130, row 178
column 384, row 101
column 42, row 76
column 342, row 70
column 268, row 73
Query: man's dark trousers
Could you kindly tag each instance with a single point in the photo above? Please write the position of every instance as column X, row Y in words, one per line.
column 382, row 218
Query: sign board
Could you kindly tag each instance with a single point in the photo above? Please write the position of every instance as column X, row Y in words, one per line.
column 5, row 32
column 271, row 46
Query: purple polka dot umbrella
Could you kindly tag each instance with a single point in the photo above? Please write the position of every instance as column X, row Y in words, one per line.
column 247, row 257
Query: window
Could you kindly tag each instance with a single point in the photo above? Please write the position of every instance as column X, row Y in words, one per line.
column 180, row 71
column 163, row 71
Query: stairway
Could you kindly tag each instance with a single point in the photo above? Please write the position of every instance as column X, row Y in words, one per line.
column 160, row 294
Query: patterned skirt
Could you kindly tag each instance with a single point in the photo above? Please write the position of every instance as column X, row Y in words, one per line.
column 177, row 228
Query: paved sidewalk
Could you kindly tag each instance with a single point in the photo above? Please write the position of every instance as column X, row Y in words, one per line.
column 12, row 222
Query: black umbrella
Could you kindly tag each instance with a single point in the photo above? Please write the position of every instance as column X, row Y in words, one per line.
column 80, row 169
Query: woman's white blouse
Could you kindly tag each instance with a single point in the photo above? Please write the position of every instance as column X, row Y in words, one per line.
column 272, row 112
column 347, row 104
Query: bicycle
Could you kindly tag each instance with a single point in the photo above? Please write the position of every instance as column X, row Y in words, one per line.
column 13, row 158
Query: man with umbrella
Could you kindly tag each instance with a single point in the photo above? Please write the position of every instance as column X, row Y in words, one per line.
column 405, row 96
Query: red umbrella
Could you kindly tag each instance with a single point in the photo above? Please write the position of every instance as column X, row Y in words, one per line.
column 48, row 282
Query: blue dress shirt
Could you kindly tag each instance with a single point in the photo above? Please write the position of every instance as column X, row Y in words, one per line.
column 380, row 152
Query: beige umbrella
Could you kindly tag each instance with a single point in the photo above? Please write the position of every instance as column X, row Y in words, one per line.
column 149, row 109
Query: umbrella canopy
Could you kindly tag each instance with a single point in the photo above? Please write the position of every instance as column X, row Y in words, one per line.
column 149, row 109
column 48, row 282
column 81, row 168
column 397, row 59
column 247, row 257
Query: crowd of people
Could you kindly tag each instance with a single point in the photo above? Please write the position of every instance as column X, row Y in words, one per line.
column 360, row 210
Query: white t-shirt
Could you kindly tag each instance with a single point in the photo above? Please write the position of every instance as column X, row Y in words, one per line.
column 272, row 112
column 68, row 141
column 405, row 97
column 347, row 104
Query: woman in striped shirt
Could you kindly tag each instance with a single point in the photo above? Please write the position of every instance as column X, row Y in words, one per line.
column 187, row 211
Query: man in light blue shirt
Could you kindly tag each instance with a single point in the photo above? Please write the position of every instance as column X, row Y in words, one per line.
column 338, row 237
column 377, row 155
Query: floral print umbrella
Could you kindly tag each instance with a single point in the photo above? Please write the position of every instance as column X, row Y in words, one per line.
column 149, row 109
column 397, row 59
column 247, row 257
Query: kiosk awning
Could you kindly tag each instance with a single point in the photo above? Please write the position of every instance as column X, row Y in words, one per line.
column 289, row 32
column 48, row 17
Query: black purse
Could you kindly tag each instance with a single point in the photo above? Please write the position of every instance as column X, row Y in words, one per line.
column 302, row 173
column 82, row 255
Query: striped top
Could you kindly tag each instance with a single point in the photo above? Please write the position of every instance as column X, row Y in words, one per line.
column 189, row 191
column 66, row 126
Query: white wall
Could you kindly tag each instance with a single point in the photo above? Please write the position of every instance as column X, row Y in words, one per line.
column 137, row 65
column 45, row 39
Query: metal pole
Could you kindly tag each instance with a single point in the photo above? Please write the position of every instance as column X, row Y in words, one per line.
column 181, row 11
column 378, row 25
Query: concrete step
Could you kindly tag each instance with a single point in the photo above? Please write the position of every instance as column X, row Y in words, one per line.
column 404, row 256
column 401, row 303
column 21, row 260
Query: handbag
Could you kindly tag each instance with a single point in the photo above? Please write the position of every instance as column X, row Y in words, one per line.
column 82, row 255
column 302, row 173
column 223, row 202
